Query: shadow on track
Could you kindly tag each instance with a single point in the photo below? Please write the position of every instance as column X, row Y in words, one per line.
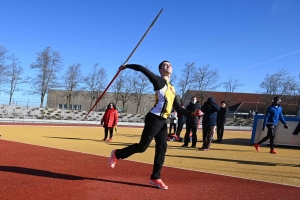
column 49, row 174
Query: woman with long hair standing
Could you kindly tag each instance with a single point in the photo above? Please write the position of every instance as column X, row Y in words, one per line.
column 109, row 121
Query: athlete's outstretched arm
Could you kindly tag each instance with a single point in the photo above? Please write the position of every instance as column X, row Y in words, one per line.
column 157, row 81
column 179, row 109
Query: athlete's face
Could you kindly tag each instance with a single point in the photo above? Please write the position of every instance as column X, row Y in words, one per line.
column 166, row 68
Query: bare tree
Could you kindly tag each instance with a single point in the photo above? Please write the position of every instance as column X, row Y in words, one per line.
column 274, row 85
column 48, row 63
column 205, row 79
column 71, row 82
column 96, row 82
column 117, row 85
column 140, row 87
column 123, row 88
column 184, row 81
column 3, row 66
column 173, row 79
column 230, row 86
column 291, row 89
column 14, row 72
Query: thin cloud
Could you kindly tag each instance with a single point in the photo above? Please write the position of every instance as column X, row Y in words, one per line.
column 270, row 60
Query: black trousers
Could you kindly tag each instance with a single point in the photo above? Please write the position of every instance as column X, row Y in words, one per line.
column 191, row 127
column 179, row 128
column 207, row 133
column 297, row 129
column 155, row 127
column 220, row 131
column 111, row 130
column 174, row 126
column 270, row 135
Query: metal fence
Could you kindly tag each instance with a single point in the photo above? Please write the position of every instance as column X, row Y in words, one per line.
column 21, row 102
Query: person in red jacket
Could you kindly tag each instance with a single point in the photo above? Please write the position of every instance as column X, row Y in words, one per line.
column 109, row 121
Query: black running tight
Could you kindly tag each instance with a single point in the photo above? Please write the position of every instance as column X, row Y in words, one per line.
column 155, row 127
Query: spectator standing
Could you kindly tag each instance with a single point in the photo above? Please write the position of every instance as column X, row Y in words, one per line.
column 221, row 120
column 173, row 121
column 295, row 132
column 209, row 121
column 109, row 121
column 273, row 114
column 181, row 122
column 192, row 123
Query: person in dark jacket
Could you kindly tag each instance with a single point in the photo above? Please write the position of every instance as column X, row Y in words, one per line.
column 221, row 120
column 181, row 122
column 273, row 114
column 192, row 123
column 297, row 129
column 209, row 121
column 295, row 132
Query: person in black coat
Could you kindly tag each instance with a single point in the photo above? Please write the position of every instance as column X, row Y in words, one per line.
column 297, row 129
column 181, row 122
column 221, row 120
column 209, row 121
column 192, row 123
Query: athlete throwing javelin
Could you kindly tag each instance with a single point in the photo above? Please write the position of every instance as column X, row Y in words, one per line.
column 155, row 121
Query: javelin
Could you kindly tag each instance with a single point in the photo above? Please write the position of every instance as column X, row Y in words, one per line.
column 124, row 63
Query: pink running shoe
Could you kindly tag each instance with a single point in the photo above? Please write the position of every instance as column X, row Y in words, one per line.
column 159, row 184
column 273, row 151
column 112, row 159
column 256, row 146
column 110, row 140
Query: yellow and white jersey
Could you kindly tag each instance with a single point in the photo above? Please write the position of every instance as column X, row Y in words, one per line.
column 164, row 99
column 165, row 94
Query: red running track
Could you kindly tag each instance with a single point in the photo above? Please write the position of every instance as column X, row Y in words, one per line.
column 34, row 172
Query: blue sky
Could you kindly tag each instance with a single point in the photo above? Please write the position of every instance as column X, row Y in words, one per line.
column 243, row 39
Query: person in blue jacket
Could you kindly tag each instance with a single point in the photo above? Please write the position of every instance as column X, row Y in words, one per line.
column 209, row 121
column 272, row 116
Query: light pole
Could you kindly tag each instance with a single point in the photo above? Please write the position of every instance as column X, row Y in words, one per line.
column 256, row 107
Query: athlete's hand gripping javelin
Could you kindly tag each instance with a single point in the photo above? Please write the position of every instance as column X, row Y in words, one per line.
column 122, row 67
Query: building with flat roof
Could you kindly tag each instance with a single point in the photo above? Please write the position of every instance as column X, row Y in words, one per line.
column 81, row 100
column 245, row 102
column 236, row 102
